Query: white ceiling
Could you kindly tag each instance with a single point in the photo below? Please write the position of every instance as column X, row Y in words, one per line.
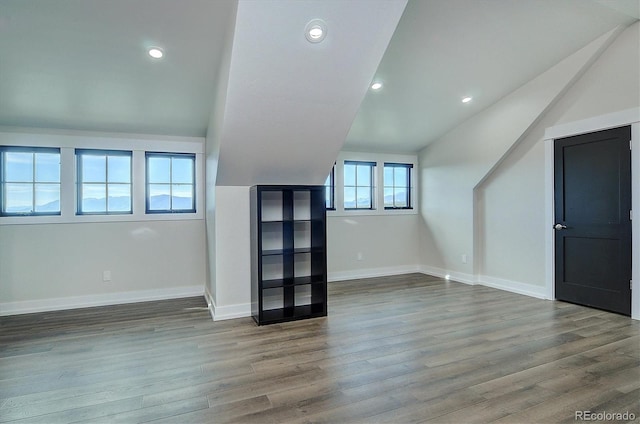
column 444, row 50
column 290, row 103
column 81, row 64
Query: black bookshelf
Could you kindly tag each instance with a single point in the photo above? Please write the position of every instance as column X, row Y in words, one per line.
column 288, row 253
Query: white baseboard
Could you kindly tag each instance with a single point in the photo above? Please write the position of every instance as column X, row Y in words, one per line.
column 460, row 277
column 538, row 292
column 209, row 299
column 221, row 313
column 75, row 302
column 371, row 273
column 514, row 286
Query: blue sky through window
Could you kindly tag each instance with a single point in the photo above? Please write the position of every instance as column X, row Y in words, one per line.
column 397, row 185
column 170, row 182
column 105, row 182
column 31, row 182
column 358, row 185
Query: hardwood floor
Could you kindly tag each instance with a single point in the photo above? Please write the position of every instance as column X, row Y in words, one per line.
column 409, row 348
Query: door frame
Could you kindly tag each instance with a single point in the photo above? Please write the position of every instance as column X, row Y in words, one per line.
column 598, row 123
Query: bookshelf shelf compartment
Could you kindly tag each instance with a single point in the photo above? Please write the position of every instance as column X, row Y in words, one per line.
column 288, row 253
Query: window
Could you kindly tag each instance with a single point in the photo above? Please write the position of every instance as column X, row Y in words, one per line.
column 103, row 182
column 330, row 189
column 171, row 183
column 358, row 184
column 29, row 181
column 397, row 185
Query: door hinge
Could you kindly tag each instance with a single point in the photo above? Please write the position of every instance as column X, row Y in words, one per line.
column 631, row 215
column 630, row 284
column 630, row 148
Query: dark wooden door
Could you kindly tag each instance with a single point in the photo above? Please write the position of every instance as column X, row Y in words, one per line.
column 593, row 219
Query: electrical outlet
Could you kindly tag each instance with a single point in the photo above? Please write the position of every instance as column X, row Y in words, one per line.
column 106, row 276
column 464, row 258
column 360, row 256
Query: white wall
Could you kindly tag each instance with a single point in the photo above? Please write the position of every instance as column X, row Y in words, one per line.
column 372, row 243
column 454, row 165
column 60, row 266
column 504, row 218
column 388, row 244
column 57, row 262
column 233, row 255
column 212, row 155
column 387, row 240
column 510, row 220
column 611, row 84
column 369, row 246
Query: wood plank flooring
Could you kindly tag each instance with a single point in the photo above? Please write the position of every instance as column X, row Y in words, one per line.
column 401, row 349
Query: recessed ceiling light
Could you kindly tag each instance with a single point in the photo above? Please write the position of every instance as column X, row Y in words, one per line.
column 466, row 99
column 376, row 86
column 155, row 52
column 315, row 31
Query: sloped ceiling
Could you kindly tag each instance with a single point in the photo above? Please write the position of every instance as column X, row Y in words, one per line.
column 290, row 103
column 81, row 65
column 443, row 51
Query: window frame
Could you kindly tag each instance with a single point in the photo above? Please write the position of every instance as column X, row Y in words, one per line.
column 332, row 189
column 408, row 187
column 79, row 183
column 33, row 150
column 69, row 141
column 380, row 159
column 147, row 200
column 372, row 173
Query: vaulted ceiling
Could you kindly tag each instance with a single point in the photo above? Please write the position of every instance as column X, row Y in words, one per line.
column 82, row 64
column 444, row 50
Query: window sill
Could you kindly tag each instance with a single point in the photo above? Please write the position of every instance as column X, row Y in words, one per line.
column 371, row 212
column 86, row 219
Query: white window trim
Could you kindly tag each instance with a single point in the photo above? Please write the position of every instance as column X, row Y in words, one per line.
column 378, row 191
column 68, row 141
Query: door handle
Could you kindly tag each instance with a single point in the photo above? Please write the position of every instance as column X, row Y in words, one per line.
column 559, row 227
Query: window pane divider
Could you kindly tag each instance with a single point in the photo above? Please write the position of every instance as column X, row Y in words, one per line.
column 31, row 183
column 170, row 183
column 80, row 183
